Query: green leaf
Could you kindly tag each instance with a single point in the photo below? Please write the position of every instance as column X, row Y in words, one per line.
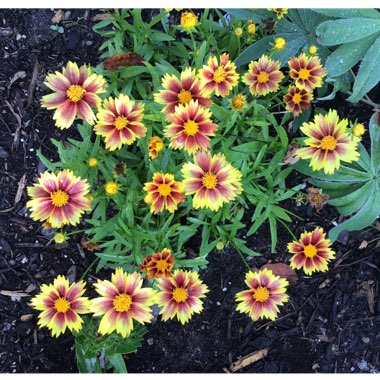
column 348, row 13
column 132, row 71
column 244, row 14
column 351, row 197
column 336, row 32
column 374, row 130
column 347, row 56
column 118, row 362
column 254, row 51
column 369, row 73
column 293, row 45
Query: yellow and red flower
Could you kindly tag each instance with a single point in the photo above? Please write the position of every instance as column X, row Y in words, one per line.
column 212, row 180
column 265, row 293
column 238, row 102
column 155, row 146
column 312, row 252
column 181, row 91
column 163, row 193
column 75, row 92
column 60, row 199
column 263, row 76
column 158, row 265
column 180, row 295
column 61, row 305
column 219, row 77
column 297, row 100
column 329, row 143
column 119, row 122
column 122, row 300
column 190, row 127
column 307, row 72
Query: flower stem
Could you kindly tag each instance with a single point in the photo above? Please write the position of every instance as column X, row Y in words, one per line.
column 288, row 229
column 244, row 260
column 88, row 269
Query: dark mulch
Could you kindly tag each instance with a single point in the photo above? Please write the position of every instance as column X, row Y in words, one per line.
column 331, row 323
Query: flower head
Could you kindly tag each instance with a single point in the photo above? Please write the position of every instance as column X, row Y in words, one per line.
column 307, row 72
column 212, row 180
column 180, row 295
column 316, row 198
column 181, row 91
column 155, row 146
column 312, row 50
column 265, row 293
column 61, row 305
column 251, row 28
column 92, row 162
column 119, row 122
column 297, row 100
column 311, row 252
column 163, row 193
column 328, row 143
column 263, row 76
column 75, row 92
column 60, row 199
column 238, row 102
column 238, row 32
column 219, row 77
column 279, row 43
column 122, row 301
column 188, row 20
column 158, row 264
column 358, row 130
column 59, row 238
column 190, row 128
column 111, row 188
column 280, row 12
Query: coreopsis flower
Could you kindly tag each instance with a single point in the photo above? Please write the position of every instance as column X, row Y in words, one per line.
column 188, row 20
column 238, row 32
column 358, row 130
column 306, row 71
column 119, row 122
column 212, row 180
column 279, row 43
column 190, row 128
column 265, row 293
column 297, row 100
column 328, row 143
column 181, row 295
column 263, row 76
column 316, row 198
column 92, row 162
column 280, row 12
column 312, row 252
column 155, row 146
column 123, row 299
column 312, row 50
column 238, row 102
column 163, row 193
column 61, row 305
column 59, row 199
column 158, row 264
column 59, row 238
column 219, row 77
column 111, row 188
column 181, row 91
column 75, row 92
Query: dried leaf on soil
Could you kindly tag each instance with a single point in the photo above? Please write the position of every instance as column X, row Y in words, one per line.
column 102, row 17
column 20, row 189
column 18, row 75
column 249, row 359
column 125, row 59
column 282, row 270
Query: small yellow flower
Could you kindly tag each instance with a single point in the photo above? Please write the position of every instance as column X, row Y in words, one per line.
column 358, row 130
column 251, row 29
column 155, row 146
column 220, row 246
column 279, row 43
column 238, row 102
column 312, row 50
column 92, row 162
column 111, row 188
column 188, row 20
column 238, row 32
column 59, row 238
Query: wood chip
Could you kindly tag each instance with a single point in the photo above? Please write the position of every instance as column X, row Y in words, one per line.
column 20, row 189
column 26, row 317
column 249, row 359
column 14, row 293
column 363, row 244
column 102, row 16
column 18, row 75
column 57, row 17
column 32, row 85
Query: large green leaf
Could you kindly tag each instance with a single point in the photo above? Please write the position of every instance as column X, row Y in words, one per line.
column 369, row 73
column 244, row 14
column 374, row 130
column 254, row 51
column 348, row 13
column 347, row 56
column 336, row 32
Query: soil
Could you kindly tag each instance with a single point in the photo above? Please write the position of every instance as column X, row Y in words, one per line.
column 331, row 324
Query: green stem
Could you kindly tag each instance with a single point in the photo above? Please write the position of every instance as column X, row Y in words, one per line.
column 75, row 232
column 88, row 269
column 288, row 229
column 244, row 260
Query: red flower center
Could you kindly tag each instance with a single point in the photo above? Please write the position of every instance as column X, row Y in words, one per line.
column 122, row 302
column 184, row 96
column 310, row 251
column 261, row 294
column 220, row 74
column 62, row 305
column 180, row 295
column 59, row 198
column 75, row 92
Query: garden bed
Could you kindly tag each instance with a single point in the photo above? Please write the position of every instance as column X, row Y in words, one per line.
column 331, row 324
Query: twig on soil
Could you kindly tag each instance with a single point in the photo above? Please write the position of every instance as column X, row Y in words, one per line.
column 33, row 82
column 249, row 359
column 16, row 139
column 20, row 189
